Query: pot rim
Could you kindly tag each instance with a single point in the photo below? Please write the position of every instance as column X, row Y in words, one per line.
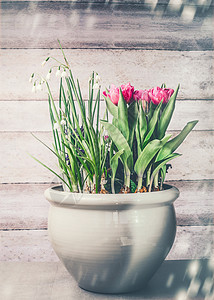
column 57, row 197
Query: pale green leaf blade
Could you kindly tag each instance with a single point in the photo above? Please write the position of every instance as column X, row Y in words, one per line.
column 148, row 154
column 152, row 124
column 159, row 164
column 174, row 143
column 120, row 142
column 166, row 115
column 112, row 108
column 132, row 121
column 123, row 124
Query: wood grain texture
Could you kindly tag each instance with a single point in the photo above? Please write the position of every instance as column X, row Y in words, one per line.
column 149, row 25
column 23, row 206
column 143, row 69
column 18, row 167
column 33, row 245
column 51, row 281
column 34, row 115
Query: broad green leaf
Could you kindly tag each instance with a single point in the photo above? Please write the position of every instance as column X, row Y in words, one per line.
column 166, row 115
column 152, row 124
column 123, row 124
column 159, row 164
column 152, row 108
column 174, row 143
column 132, row 120
column 120, row 142
column 148, row 154
column 114, row 166
column 112, row 108
column 142, row 122
column 163, row 173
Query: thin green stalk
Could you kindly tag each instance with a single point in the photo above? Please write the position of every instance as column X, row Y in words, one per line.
column 63, row 54
column 63, row 135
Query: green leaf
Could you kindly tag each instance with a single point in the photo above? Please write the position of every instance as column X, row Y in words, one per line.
column 132, row 121
column 159, row 164
column 133, row 186
column 163, row 173
column 148, row 154
column 112, row 108
column 120, row 142
column 152, row 108
column 166, row 115
column 114, row 166
column 174, row 143
column 152, row 124
column 50, row 170
column 142, row 122
column 123, row 125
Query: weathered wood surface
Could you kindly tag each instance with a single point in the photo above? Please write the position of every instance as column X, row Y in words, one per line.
column 143, row 69
column 33, row 245
column 47, row 281
column 23, row 206
column 18, row 167
column 34, row 115
column 149, row 25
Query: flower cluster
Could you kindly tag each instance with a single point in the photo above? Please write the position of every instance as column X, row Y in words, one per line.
column 156, row 95
column 126, row 153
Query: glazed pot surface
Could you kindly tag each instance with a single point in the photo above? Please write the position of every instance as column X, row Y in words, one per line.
column 112, row 244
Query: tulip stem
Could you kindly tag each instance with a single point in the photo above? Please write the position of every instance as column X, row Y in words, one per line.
column 140, row 181
column 127, row 177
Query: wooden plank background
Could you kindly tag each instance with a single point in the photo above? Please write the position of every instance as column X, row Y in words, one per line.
column 144, row 42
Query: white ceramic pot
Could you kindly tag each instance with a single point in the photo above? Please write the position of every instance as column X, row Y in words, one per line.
column 112, row 243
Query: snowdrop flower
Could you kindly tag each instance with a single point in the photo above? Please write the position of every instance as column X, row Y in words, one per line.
column 39, row 87
column 63, row 122
column 44, row 62
column 34, row 89
column 90, row 79
column 97, row 78
column 58, row 73
column 31, row 78
column 48, row 75
column 56, row 126
column 96, row 86
column 64, row 74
